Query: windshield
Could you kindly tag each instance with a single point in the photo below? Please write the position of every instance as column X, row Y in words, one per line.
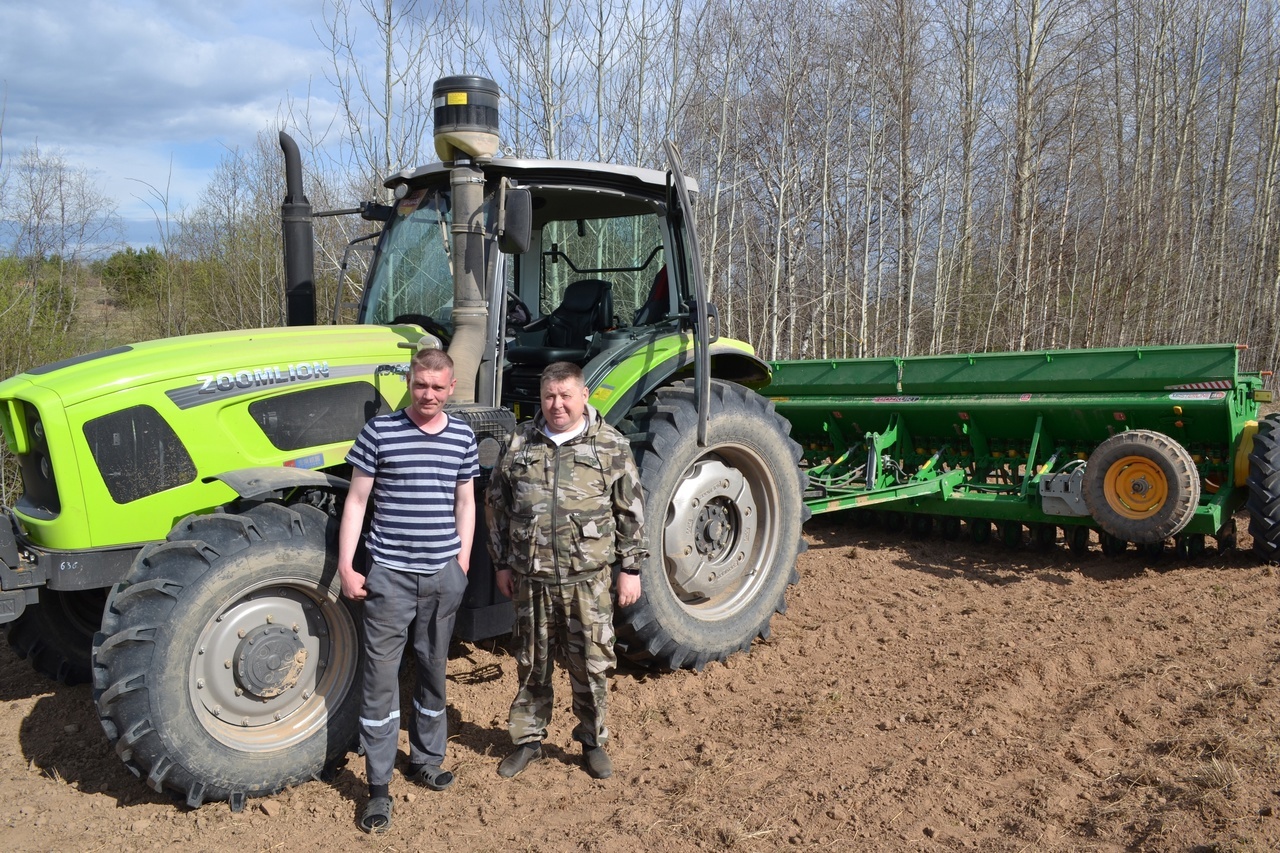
column 413, row 275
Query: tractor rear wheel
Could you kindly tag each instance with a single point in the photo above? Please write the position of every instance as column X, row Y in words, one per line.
column 227, row 663
column 57, row 634
column 1264, row 490
column 1141, row 486
column 723, row 524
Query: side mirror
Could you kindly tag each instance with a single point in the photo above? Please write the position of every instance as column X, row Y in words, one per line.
column 516, row 228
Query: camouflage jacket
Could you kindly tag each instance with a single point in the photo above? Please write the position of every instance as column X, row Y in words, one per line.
column 565, row 512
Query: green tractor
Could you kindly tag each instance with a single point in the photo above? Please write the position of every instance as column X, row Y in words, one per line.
column 176, row 538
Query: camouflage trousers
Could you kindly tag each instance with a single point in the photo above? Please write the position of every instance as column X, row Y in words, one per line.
column 575, row 621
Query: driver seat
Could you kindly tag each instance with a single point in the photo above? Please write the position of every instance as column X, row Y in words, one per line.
column 587, row 308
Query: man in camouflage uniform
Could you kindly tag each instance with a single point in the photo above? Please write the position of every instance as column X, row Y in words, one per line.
column 564, row 508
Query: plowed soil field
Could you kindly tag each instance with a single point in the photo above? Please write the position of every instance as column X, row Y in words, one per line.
column 917, row 695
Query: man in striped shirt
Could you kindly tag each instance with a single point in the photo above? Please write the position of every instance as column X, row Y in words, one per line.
column 418, row 465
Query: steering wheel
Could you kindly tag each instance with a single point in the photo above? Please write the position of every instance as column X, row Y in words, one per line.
column 518, row 313
column 428, row 325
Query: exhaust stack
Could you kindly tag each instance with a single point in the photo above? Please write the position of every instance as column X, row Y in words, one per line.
column 299, row 241
column 466, row 131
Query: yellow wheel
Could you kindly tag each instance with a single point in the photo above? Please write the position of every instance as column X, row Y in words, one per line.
column 1141, row 486
column 1135, row 487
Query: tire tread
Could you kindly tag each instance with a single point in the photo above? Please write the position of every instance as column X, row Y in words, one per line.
column 658, row 428
column 143, row 603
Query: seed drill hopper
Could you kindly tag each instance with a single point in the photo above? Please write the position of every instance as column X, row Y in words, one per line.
column 1143, row 445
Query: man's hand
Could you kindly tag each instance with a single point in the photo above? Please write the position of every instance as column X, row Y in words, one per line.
column 349, row 534
column 502, row 579
column 628, row 589
column 352, row 584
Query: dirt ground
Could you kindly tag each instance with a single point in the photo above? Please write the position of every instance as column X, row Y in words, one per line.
column 917, row 695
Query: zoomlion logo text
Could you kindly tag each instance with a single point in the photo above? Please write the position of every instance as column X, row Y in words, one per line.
column 259, row 376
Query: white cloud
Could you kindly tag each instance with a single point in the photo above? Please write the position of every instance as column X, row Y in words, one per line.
column 153, row 92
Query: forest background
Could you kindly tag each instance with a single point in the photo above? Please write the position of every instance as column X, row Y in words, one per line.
column 878, row 177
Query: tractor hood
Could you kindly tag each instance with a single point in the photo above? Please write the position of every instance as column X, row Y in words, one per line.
column 115, row 446
column 214, row 366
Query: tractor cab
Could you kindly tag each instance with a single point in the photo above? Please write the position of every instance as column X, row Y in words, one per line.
column 599, row 269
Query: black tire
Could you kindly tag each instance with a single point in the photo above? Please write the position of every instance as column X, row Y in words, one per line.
column 1045, row 536
column 56, row 634
column 921, row 525
column 1226, row 537
column 1078, row 539
column 950, row 527
column 979, row 530
column 1190, row 546
column 1141, row 486
column 1011, row 534
column 1113, row 546
column 227, row 663
column 1264, row 490
column 723, row 525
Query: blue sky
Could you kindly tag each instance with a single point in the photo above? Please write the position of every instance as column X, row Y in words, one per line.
column 151, row 92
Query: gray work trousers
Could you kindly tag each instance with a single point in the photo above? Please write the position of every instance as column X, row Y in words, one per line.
column 395, row 602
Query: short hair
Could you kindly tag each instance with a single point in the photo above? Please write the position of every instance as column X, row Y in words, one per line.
column 560, row 371
column 431, row 359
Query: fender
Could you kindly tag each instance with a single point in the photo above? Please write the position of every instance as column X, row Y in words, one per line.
column 621, row 379
column 268, row 482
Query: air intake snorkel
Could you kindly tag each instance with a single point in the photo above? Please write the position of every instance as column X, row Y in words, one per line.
column 466, row 132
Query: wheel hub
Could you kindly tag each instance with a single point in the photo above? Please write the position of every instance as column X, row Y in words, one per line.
column 715, row 532
column 269, row 661
column 1136, row 487
column 261, row 659
column 710, row 530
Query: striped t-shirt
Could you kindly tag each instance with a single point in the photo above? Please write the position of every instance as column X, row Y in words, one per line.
column 415, row 475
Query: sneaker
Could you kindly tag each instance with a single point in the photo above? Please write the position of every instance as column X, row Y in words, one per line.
column 520, row 758
column 597, row 762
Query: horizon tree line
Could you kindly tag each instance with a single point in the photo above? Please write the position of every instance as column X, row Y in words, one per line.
column 878, row 177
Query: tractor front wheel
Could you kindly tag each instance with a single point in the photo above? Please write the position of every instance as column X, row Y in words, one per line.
column 227, row 663
column 57, row 634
